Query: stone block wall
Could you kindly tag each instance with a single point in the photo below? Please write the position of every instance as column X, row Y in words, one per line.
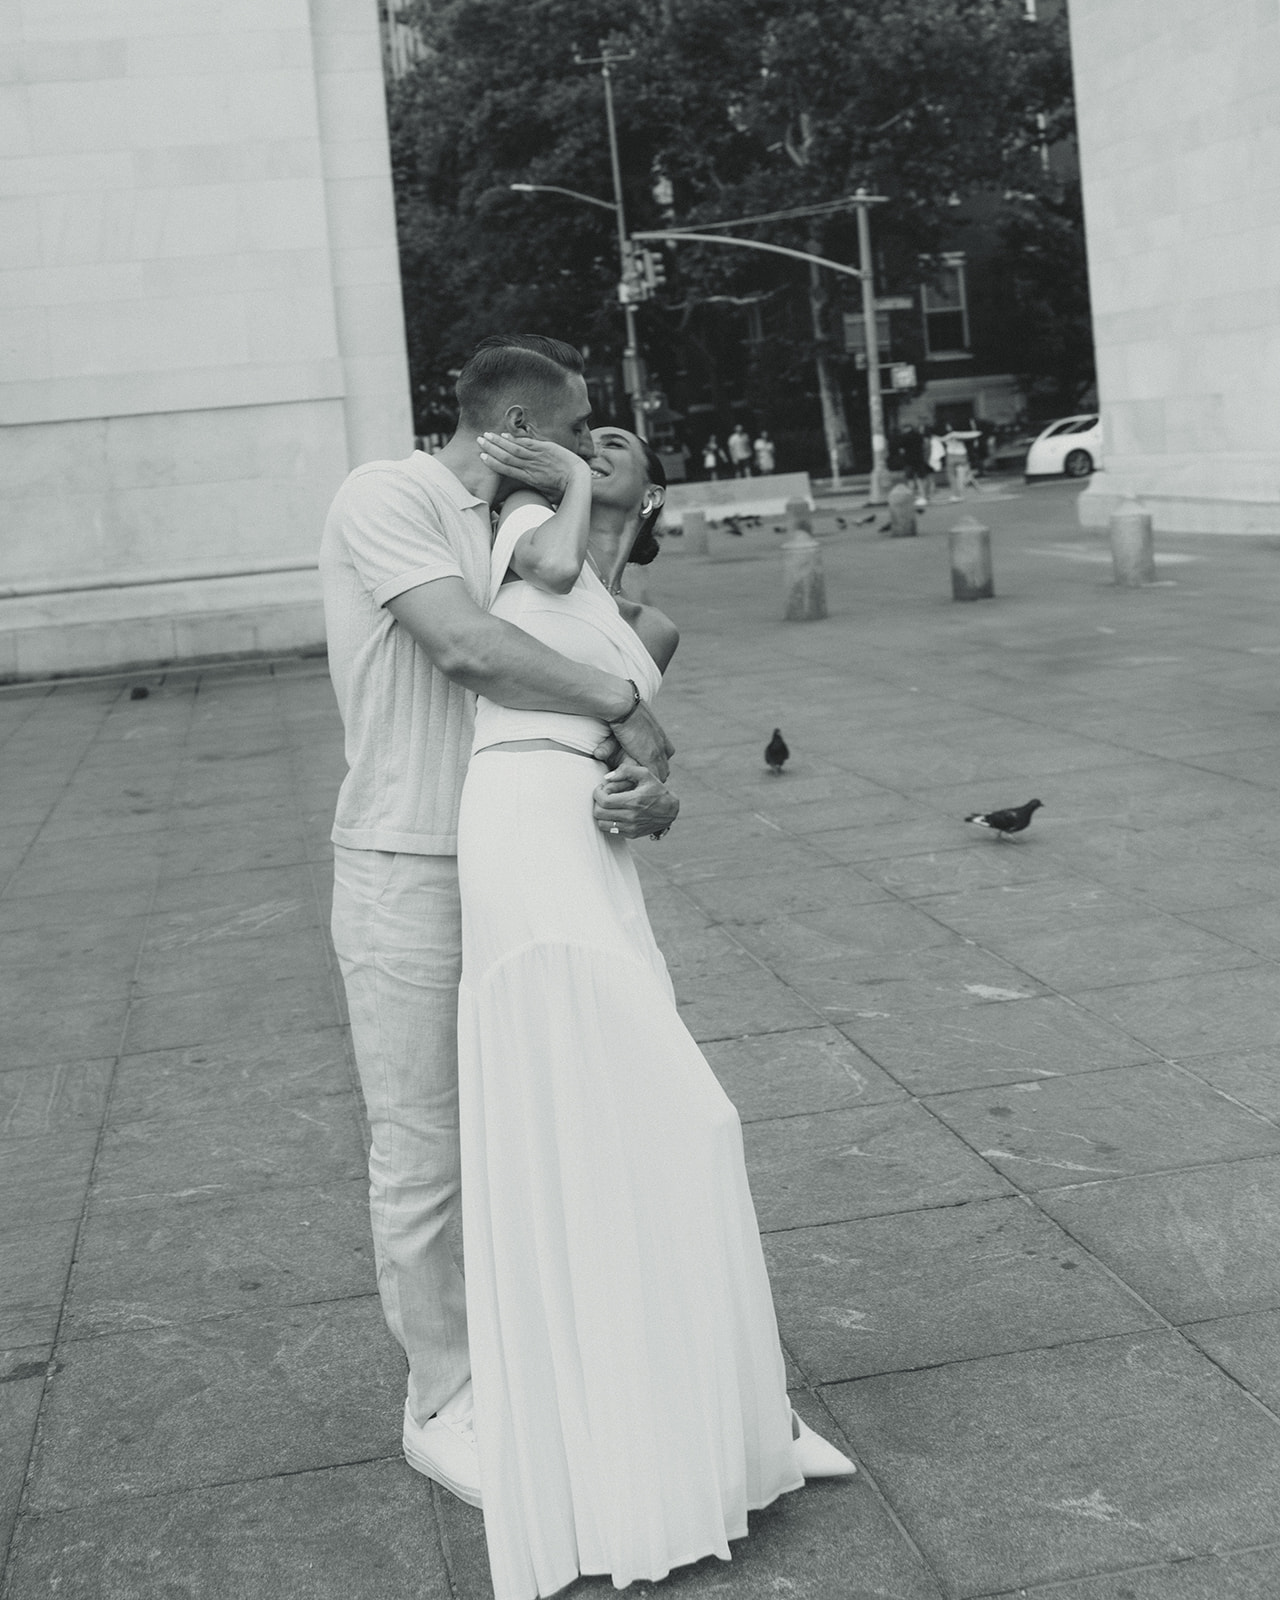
column 1179, row 120
column 200, row 318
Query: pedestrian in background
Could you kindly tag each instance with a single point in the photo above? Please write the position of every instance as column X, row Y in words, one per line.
column 764, row 453
column 915, row 461
column 713, row 458
column 740, row 451
column 955, row 446
column 936, row 452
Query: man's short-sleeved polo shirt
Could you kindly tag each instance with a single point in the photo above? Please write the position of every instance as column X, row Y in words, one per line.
column 393, row 526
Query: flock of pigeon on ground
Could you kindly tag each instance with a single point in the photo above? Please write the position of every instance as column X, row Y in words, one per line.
column 1010, row 819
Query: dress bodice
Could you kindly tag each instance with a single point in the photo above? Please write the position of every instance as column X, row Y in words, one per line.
column 585, row 625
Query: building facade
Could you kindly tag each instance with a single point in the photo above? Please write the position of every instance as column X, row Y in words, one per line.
column 200, row 320
column 1179, row 126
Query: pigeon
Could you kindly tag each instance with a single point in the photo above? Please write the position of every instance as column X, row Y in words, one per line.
column 776, row 752
column 730, row 526
column 138, row 692
column 870, row 517
column 1012, row 820
column 841, row 523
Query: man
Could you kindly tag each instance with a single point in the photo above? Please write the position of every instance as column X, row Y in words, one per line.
column 740, row 451
column 405, row 569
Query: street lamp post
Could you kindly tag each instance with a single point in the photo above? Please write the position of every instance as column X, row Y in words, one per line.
column 878, row 491
column 632, row 368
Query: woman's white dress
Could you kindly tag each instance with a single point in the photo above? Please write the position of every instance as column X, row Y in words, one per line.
column 630, row 1395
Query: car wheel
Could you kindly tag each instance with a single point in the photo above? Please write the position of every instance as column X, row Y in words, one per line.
column 1079, row 464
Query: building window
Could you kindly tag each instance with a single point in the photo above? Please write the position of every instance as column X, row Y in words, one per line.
column 946, row 310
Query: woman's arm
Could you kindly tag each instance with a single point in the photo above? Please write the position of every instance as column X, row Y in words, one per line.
column 550, row 554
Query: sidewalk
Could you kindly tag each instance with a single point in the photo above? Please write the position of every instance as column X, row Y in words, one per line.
column 1012, row 1109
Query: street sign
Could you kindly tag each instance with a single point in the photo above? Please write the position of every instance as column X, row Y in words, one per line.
column 895, row 302
column 902, row 375
column 855, row 332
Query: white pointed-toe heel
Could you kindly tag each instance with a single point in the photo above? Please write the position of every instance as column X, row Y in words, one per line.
column 814, row 1456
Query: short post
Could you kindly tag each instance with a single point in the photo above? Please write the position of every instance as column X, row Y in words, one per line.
column 902, row 512
column 694, row 523
column 971, row 577
column 806, row 588
column 1132, row 551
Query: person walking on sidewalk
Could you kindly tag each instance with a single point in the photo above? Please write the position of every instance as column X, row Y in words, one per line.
column 405, row 569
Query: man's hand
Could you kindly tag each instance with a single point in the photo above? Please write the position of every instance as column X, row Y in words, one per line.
column 640, row 737
column 632, row 802
column 549, row 468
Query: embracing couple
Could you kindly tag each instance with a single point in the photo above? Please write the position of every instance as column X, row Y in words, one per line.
column 608, row 1382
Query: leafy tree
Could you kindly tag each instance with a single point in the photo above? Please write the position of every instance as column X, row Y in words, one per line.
column 729, row 108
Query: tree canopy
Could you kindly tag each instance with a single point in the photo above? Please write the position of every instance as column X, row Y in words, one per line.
column 728, row 108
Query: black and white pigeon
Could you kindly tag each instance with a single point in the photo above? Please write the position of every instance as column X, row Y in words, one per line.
column 1011, row 820
column 776, row 752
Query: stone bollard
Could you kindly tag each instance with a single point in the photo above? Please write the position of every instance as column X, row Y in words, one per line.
column 971, row 577
column 902, row 512
column 1132, row 552
column 694, row 524
column 802, row 578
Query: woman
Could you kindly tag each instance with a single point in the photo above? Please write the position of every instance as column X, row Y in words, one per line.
column 630, row 1396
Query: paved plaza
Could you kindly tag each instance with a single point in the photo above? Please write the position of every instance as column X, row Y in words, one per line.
column 1011, row 1108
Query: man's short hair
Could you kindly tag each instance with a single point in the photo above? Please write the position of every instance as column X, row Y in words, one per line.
column 514, row 369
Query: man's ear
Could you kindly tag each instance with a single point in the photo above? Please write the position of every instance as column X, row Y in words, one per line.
column 515, row 420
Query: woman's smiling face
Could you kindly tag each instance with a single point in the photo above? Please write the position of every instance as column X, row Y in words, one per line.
column 619, row 471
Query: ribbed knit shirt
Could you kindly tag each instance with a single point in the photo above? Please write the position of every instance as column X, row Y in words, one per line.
column 393, row 526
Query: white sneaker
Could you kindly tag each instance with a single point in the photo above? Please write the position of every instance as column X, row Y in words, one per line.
column 444, row 1450
column 814, row 1456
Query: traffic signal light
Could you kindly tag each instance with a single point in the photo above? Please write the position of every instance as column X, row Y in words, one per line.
column 654, row 268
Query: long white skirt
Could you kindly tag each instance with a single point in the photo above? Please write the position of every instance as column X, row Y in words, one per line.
column 630, row 1393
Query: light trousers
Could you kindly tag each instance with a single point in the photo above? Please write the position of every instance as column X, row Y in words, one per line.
column 397, row 932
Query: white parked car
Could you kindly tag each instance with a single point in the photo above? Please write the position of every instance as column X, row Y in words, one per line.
column 1070, row 447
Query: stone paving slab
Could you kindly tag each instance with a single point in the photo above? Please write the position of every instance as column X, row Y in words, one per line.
column 789, row 1074
column 1231, row 1010
column 1195, row 1244
column 1253, row 1078
column 166, row 1021
column 924, row 1288
column 1247, row 1347
column 45, row 1100
column 22, row 1371
column 241, row 1148
column 807, row 1170
column 325, row 1534
column 1101, row 1124
column 290, row 1389
column 1053, row 1464
column 35, row 1260
column 1249, row 1575
column 935, row 1051
column 218, row 1251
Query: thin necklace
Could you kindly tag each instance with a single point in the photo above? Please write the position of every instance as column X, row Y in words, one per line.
column 604, row 584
